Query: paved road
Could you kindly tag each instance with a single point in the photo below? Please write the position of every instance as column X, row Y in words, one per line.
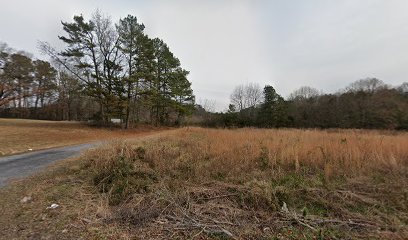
column 23, row 165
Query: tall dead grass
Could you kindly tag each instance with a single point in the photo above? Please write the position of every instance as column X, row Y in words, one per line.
column 240, row 153
column 216, row 181
column 245, row 156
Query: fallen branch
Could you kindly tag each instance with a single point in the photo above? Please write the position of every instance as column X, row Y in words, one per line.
column 215, row 197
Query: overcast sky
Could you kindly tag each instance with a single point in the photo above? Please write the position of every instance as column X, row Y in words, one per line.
column 324, row 44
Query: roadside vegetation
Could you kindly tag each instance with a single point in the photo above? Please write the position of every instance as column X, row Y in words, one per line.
column 222, row 184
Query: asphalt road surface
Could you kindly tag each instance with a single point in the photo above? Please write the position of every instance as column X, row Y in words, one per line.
column 24, row 165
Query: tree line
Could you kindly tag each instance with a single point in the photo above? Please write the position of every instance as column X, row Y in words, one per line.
column 32, row 88
column 112, row 70
column 367, row 103
column 106, row 71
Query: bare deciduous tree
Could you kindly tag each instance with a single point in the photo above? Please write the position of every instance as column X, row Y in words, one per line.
column 366, row 85
column 253, row 94
column 207, row 104
column 404, row 87
column 304, row 92
column 246, row 96
column 238, row 97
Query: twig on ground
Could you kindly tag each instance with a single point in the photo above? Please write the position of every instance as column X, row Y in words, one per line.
column 215, row 197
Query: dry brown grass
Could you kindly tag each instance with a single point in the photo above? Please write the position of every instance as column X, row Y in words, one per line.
column 19, row 135
column 237, row 154
column 204, row 183
column 64, row 183
column 197, row 183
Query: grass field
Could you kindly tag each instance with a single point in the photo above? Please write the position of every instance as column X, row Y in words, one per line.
column 19, row 135
column 196, row 183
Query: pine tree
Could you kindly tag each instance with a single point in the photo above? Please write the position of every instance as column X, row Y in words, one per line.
column 125, row 70
column 18, row 71
column 273, row 111
column 181, row 93
column 131, row 40
column 93, row 56
column 44, row 80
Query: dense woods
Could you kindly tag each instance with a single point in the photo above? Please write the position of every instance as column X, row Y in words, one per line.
column 366, row 103
column 106, row 71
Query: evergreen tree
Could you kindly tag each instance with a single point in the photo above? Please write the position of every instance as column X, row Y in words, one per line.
column 273, row 112
column 181, row 93
column 93, row 56
column 45, row 82
column 18, row 73
column 131, row 40
column 125, row 70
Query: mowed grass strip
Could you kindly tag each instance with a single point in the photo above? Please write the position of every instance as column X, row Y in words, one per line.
column 20, row 135
column 196, row 183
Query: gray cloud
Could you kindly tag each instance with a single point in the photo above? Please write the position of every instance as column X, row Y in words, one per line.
column 322, row 43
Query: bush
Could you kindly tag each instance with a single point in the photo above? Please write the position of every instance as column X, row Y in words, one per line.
column 120, row 174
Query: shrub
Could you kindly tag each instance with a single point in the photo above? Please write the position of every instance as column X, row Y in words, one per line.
column 120, row 174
